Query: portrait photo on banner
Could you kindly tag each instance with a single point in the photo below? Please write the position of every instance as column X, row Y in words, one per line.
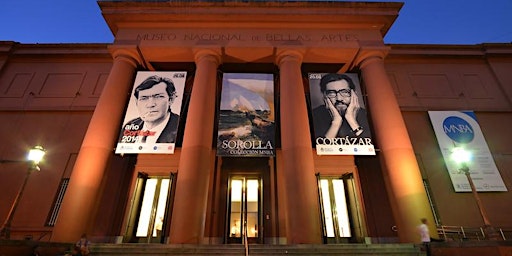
column 152, row 116
column 340, row 119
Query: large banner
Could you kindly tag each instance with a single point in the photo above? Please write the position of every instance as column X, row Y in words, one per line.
column 339, row 116
column 152, row 117
column 246, row 118
column 461, row 129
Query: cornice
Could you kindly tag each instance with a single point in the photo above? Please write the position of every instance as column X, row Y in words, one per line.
column 276, row 14
column 67, row 50
column 452, row 51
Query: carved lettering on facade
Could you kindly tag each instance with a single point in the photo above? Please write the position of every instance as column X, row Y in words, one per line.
column 156, row 37
column 212, row 37
column 338, row 37
column 287, row 37
column 231, row 37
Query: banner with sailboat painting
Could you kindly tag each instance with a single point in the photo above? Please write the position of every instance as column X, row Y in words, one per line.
column 246, row 116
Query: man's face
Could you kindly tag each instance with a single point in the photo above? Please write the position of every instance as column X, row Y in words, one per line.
column 154, row 103
column 339, row 94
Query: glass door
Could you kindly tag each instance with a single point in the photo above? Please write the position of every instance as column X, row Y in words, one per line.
column 244, row 210
column 335, row 213
column 149, row 211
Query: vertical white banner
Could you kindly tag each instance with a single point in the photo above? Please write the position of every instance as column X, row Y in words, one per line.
column 152, row 116
column 461, row 129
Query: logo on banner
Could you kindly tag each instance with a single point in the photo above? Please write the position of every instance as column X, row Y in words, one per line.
column 458, row 129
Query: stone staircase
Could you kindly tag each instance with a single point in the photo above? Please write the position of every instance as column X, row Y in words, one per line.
column 255, row 249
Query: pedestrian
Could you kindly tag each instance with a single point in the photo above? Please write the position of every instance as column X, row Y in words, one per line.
column 82, row 246
column 424, row 235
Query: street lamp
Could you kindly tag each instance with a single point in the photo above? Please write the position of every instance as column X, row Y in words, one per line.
column 35, row 155
column 464, row 157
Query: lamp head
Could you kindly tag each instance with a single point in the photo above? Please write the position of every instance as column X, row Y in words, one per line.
column 36, row 154
column 462, row 157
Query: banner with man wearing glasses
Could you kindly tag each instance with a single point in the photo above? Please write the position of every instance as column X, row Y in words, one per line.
column 339, row 116
column 152, row 117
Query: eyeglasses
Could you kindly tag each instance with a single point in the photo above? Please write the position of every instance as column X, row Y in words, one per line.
column 156, row 97
column 334, row 93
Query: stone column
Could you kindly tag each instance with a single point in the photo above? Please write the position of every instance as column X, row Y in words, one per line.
column 189, row 209
column 405, row 181
column 97, row 147
column 301, row 189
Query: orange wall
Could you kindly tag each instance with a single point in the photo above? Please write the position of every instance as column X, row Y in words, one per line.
column 456, row 78
column 48, row 93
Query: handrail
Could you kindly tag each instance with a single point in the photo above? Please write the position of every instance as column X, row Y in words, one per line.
column 504, row 231
column 466, row 233
column 245, row 239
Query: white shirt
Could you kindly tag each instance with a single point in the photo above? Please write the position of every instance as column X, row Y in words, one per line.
column 424, row 233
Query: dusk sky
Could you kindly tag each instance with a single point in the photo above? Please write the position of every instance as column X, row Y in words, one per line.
column 419, row 22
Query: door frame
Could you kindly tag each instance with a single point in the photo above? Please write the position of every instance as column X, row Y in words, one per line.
column 243, row 213
column 136, row 208
column 350, row 201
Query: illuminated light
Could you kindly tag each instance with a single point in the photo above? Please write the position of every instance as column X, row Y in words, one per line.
column 36, row 154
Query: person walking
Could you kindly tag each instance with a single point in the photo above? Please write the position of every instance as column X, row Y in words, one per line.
column 424, row 235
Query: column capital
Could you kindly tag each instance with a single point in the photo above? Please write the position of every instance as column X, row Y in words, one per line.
column 283, row 55
column 370, row 54
column 129, row 54
column 211, row 53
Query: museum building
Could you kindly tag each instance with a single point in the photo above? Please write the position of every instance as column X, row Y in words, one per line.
column 289, row 188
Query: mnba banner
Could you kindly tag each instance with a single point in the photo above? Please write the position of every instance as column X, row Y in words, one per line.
column 455, row 129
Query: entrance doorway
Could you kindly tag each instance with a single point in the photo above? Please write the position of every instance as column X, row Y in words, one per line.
column 335, row 210
column 244, row 210
column 150, row 209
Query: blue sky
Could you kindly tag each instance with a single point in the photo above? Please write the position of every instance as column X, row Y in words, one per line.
column 419, row 22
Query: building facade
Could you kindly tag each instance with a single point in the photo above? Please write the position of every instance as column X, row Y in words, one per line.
column 71, row 98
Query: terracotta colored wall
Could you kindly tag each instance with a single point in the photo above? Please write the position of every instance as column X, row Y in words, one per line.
column 49, row 98
column 379, row 216
column 446, row 82
column 113, row 200
column 47, row 94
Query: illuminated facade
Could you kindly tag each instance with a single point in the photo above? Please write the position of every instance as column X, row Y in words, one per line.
column 71, row 98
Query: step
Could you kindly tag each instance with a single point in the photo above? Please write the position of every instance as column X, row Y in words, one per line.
column 256, row 249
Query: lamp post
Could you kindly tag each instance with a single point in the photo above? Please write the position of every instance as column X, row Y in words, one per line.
column 35, row 155
column 463, row 157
